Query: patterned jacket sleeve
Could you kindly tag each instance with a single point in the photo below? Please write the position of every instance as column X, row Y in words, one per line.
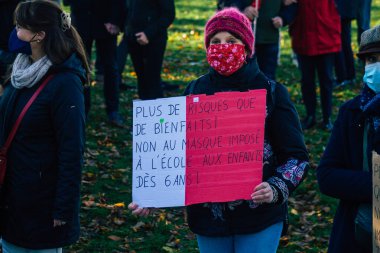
column 286, row 138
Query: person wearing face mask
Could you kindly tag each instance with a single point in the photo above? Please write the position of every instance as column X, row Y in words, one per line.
column 40, row 184
column 345, row 170
column 255, row 225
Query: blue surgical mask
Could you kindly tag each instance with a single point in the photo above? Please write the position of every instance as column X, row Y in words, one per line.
column 15, row 45
column 372, row 76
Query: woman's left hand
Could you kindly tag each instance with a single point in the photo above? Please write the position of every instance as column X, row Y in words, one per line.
column 263, row 193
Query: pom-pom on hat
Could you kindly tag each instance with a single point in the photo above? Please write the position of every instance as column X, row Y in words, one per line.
column 233, row 21
column 369, row 42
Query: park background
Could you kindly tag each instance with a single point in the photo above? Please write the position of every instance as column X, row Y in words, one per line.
column 106, row 223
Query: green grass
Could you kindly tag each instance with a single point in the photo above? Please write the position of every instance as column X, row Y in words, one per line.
column 107, row 226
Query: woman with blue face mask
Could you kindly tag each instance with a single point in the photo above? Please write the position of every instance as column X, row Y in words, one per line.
column 40, row 184
column 345, row 170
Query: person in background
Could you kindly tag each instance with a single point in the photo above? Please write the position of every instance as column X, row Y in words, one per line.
column 240, row 4
column 344, row 60
column 146, row 31
column 363, row 17
column 40, row 195
column 100, row 21
column 315, row 35
column 345, row 169
column 255, row 225
column 7, row 8
column 271, row 16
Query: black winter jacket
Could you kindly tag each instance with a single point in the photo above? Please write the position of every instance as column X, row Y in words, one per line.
column 153, row 17
column 89, row 16
column 7, row 7
column 45, row 159
column 340, row 175
column 284, row 142
column 347, row 8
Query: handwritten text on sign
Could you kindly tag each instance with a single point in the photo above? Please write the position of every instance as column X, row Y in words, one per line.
column 159, row 162
column 224, row 140
column 197, row 149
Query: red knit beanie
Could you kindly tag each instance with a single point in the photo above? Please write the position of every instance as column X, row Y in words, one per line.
column 233, row 21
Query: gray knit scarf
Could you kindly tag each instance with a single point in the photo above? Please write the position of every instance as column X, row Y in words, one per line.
column 26, row 73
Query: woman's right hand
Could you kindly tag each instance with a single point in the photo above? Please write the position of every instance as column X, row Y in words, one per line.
column 136, row 210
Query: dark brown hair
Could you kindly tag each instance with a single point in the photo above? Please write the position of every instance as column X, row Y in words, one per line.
column 59, row 43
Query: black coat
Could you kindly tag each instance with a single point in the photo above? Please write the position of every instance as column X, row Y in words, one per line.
column 240, row 4
column 286, row 143
column 153, row 17
column 7, row 7
column 89, row 16
column 45, row 159
column 340, row 175
column 347, row 8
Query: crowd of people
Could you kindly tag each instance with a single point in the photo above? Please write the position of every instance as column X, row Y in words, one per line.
column 45, row 99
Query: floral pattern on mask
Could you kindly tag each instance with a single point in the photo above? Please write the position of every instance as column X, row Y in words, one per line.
column 226, row 59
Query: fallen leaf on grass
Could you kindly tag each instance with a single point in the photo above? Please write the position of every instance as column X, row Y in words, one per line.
column 118, row 221
column 138, row 225
column 114, row 238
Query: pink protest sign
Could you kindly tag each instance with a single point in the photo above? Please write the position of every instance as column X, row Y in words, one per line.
column 197, row 149
column 224, row 145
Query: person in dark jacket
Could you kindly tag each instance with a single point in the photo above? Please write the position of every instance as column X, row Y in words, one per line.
column 100, row 21
column 7, row 8
column 41, row 190
column 345, row 169
column 315, row 35
column 344, row 60
column 363, row 17
column 241, row 226
column 146, row 31
column 240, row 4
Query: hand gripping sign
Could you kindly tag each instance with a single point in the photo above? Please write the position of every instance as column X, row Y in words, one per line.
column 197, row 149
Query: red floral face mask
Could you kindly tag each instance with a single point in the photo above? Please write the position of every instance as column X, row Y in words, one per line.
column 226, row 59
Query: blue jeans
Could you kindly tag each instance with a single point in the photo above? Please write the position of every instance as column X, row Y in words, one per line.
column 11, row 248
column 265, row 241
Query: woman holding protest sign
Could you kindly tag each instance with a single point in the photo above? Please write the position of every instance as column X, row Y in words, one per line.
column 255, row 225
column 345, row 170
column 42, row 132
